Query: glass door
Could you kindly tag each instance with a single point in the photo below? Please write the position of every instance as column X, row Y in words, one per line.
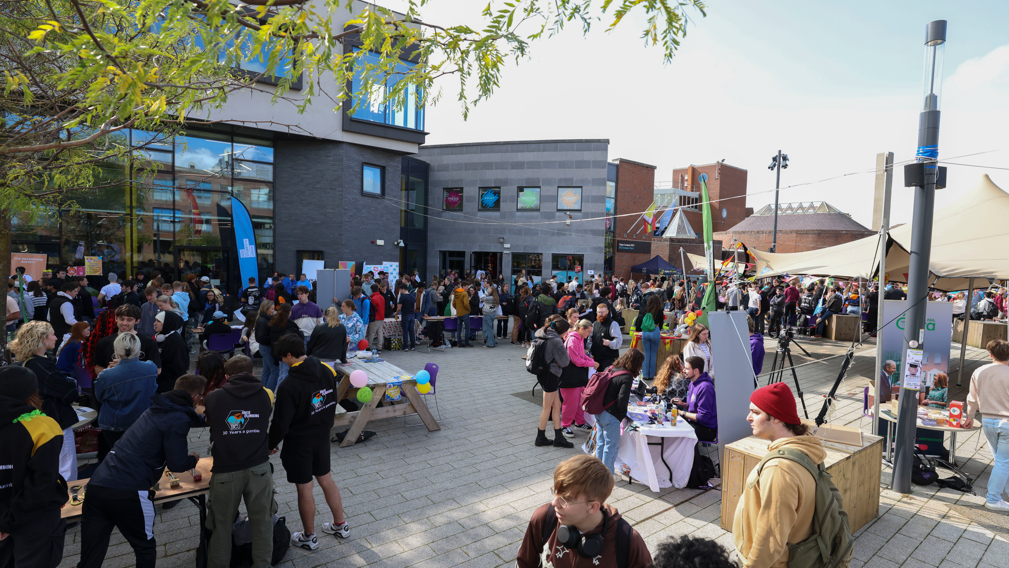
column 213, row 262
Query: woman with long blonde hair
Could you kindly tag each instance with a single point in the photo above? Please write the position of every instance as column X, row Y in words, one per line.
column 699, row 345
column 329, row 340
column 58, row 392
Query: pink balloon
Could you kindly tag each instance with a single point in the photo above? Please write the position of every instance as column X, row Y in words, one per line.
column 358, row 378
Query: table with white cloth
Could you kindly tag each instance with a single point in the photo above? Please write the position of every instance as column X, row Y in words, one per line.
column 652, row 452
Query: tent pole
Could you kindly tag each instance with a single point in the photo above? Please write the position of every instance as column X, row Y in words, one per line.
column 884, row 185
column 963, row 335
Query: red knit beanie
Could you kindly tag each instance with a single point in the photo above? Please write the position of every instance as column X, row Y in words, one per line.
column 778, row 401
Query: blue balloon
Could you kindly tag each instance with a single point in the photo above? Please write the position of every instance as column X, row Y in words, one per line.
column 422, row 377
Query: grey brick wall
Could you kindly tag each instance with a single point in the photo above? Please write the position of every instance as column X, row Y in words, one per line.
column 508, row 165
column 318, row 203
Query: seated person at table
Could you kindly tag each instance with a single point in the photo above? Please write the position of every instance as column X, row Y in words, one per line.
column 554, row 536
column 937, row 395
column 670, row 380
column 218, row 325
column 119, row 494
column 700, row 410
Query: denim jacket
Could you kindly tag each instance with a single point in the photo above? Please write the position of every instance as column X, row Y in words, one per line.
column 125, row 393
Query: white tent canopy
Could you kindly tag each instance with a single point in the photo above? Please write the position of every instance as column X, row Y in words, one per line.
column 968, row 240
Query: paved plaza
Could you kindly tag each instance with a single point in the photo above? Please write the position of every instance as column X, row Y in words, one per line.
column 462, row 496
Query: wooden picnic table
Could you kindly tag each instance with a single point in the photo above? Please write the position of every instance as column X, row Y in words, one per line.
column 380, row 373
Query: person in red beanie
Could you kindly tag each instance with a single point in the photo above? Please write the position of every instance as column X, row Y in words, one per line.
column 778, row 509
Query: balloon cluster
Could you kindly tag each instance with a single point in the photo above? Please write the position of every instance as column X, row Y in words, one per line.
column 359, row 380
column 423, row 379
column 691, row 317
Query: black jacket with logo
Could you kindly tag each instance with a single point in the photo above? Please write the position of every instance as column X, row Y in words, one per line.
column 30, row 480
column 238, row 415
column 306, row 402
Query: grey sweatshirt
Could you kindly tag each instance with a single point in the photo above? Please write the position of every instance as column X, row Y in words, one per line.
column 556, row 353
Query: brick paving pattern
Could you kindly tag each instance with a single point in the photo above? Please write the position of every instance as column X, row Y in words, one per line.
column 462, row 496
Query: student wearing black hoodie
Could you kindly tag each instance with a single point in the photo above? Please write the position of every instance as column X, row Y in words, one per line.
column 173, row 350
column 32, row 491
column 306, row 405
column 238, row 414
column 119, row 493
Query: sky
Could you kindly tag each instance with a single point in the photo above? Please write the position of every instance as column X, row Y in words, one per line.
column 830, row 84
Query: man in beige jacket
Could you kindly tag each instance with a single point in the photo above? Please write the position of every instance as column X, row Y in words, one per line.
column 778, row 509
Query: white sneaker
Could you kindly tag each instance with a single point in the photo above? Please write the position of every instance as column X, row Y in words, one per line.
column 342, row 531
column 310, row 542
column 1000, row 506
column 568, row 433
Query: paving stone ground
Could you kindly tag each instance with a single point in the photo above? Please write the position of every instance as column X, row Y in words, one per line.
column 462, row 496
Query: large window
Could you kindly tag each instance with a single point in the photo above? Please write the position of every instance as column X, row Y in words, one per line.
column 453, row 199
column 490, row 199
column 529, row 199
column 567, row 267
column 406, row 112
column 569, row 199
column 372, row 180
column 532, row 263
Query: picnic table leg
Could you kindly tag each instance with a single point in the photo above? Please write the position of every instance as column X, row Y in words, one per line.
column 342, row 387
column 410, row 390
column 363, row 416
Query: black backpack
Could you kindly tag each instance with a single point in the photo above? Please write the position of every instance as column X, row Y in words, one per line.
column 624, row 531
column 923, row 470
column 241, row 555
column 701, row 472
column 536, row 360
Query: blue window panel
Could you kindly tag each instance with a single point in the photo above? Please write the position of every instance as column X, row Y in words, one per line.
column 408, row 115
column 371, row 180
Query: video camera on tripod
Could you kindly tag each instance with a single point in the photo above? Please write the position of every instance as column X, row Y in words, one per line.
column 783, row 354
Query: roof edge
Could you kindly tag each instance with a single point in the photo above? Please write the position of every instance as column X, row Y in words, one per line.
column 712, row 164
column 625, row 160
column 506, row 142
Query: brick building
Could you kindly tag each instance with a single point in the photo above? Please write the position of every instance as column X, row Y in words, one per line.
column 635, row 190
column 801, row 227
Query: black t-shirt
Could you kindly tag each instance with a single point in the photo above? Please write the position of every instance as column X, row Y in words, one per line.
column 251, row 296
column 105, row 350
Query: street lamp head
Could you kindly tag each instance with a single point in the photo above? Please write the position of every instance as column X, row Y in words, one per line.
column 935, row 47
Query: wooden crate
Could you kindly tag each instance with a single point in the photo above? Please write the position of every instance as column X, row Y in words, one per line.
column 842, row 328
column 856, row 472
column 979, row 333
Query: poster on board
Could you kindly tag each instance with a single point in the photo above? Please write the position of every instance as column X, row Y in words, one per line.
column 938, row 331
column 310, row 268
column 34, row 264
column 348, row 265
column 92, row 266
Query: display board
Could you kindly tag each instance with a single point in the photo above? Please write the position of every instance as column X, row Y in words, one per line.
column 730, row 344
column 938, row 333
column 34, row 264
column 332, row 283
column 310, row 268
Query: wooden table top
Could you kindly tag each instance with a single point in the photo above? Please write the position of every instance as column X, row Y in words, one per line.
column 187, row 488
column 379, row 373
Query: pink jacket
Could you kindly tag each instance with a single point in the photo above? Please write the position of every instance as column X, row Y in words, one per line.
column 576, row 350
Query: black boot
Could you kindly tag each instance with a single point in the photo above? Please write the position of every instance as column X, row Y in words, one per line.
column 542, row 440
column 560, row 441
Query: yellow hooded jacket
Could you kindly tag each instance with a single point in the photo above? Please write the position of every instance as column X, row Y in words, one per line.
column 778, row 510
column 460, row 300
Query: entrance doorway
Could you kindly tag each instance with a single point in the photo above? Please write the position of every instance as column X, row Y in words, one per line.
column 214, row 262
column 490, row 262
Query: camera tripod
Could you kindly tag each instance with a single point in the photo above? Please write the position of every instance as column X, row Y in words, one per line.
column 781, row 354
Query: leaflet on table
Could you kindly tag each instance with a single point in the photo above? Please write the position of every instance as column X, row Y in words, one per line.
column 81, row 411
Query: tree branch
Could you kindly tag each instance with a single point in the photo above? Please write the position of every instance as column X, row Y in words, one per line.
column 105, row 129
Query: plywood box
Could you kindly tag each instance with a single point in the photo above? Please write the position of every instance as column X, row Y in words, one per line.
column 856, row 473
column 979, row 333
column 842, row 328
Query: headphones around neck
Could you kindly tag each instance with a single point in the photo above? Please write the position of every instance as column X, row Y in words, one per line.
column 587, row 546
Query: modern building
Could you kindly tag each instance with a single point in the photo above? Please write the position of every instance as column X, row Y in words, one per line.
column 326, row 184
column 538, row 206
column 801, row 227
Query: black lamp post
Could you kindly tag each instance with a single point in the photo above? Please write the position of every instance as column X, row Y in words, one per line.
column 778, row 162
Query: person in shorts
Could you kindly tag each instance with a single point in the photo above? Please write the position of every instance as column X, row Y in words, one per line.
column 556, row 355
column 302, row 418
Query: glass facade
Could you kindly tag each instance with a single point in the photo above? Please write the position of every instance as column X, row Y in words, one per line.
column 610, row 225
column 405, row 113
column 371, row 180
column 178, row 223
column 413, row 217
column 532, row 263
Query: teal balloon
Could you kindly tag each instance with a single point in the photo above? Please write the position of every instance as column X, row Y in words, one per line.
column 422, row 377
column 364, row 394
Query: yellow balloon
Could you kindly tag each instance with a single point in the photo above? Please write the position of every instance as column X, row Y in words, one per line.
column 424, row 388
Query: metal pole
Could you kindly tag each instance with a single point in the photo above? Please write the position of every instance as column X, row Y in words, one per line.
column 886, row 161
column 963, row 333
column 683, row 263
column 917, row 274
column 777, row 184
